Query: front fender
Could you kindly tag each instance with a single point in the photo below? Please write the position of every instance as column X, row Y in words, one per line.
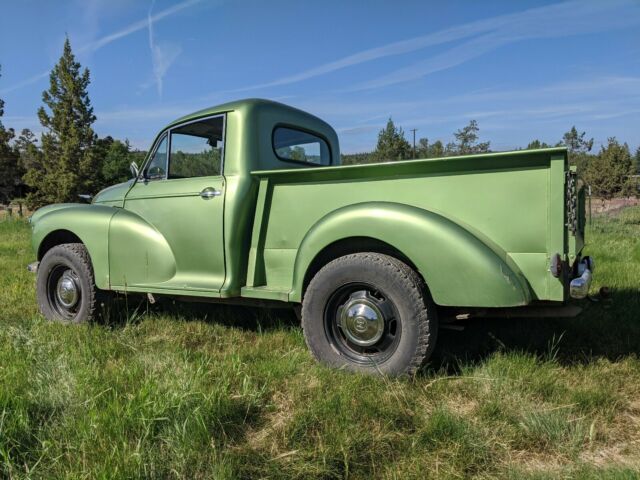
column 90, row 223
column 459, row 268
column 139, row 254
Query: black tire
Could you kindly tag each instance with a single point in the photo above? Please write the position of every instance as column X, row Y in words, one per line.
column 71, row 261
column 344, row 302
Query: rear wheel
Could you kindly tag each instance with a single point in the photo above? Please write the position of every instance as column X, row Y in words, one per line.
column 65, row 286
column 369, row 312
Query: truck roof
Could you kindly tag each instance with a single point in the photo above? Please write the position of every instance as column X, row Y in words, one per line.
column 246, row 103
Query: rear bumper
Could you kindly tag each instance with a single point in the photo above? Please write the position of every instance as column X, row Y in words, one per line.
column 579, row 286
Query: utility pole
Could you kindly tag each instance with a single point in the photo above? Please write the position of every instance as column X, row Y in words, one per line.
column 414, row 142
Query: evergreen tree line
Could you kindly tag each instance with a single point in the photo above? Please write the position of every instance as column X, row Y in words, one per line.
column 612, row 171
column 69, row 159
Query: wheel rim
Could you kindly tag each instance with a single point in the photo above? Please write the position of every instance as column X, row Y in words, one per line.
column 64, row 291
column 362, row 323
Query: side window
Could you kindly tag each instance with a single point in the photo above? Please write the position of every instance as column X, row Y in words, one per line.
column 157, row 168
column 196, row 149
column 299, row 146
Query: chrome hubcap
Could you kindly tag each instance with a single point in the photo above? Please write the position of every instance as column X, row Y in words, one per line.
column 67, row 290
column 362, row 323
column 361, row 320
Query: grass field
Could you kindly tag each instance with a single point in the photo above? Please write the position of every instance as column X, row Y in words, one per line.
column 188, row 391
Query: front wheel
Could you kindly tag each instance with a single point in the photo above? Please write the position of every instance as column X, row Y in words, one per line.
column 369, row 312
column 65, row 286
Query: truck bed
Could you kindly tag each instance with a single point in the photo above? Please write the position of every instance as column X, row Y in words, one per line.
column 511, row 202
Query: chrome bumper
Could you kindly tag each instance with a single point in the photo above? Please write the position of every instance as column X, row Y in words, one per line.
column 579, row 286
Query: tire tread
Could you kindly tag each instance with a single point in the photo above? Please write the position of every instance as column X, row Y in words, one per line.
column 80, row 252
column 417, row 294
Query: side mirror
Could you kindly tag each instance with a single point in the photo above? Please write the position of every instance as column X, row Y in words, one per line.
column 135, row 170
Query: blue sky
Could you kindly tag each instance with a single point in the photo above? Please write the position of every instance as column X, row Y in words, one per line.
column 523, row 69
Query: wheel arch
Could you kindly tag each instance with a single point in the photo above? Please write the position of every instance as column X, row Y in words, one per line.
column 457, row 266
column 349, row 245
column 55, row 238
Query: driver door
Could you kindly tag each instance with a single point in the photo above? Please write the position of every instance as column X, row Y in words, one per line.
column 170, row 236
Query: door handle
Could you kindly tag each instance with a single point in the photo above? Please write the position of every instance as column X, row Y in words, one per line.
column 210, row 192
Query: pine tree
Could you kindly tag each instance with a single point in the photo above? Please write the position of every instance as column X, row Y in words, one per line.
column 535, row 144
column 436, row 149
column 467, row 141
column 69, row 165
column 391, row 144
column 9, row 175
column 579, row 147
column 30, row 154
column 610, row 172
column 117, row 159
column 422, row 149
column 430, row 150
column 576, row 142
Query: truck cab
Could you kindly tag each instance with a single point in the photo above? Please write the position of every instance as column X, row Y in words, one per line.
column 186, row 219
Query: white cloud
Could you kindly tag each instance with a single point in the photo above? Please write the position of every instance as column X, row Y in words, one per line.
column 614, row 86
column 513, row 114
column 569, row 18
column 25, row 82
column 137, row 26
column 126, row 114
column 162, row 55
column 556, row 20
column 589, row 91
column 112, row 37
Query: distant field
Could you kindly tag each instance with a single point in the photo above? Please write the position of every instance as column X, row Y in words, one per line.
column 187, row 391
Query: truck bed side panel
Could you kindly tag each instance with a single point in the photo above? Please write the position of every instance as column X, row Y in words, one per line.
column 513, row 203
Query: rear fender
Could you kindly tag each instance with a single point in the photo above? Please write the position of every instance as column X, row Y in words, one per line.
column 459, row 268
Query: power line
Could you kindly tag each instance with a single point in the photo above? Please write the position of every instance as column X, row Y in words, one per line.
column 414, row 141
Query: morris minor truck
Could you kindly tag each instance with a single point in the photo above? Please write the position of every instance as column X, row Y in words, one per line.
column 247, row 201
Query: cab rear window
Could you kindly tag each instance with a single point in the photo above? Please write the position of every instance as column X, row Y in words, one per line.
column 292, row 145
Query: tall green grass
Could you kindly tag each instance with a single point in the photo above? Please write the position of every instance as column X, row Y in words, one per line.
column 202, row 391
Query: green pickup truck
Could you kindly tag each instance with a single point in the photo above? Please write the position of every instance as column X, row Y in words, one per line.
column 248, row 202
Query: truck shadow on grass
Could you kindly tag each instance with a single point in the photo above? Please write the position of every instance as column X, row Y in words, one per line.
column 133, row 309
column 607, row 329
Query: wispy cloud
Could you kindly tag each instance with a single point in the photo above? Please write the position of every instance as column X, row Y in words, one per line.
column 162, row 55
column 110, row 38
column 572, row 18
column 521, row 111
column 25, row 82
column 589, row 91
column 137, row 26
column 157, row 114
column 613, row 86
column 392, row 49
column 556, row 20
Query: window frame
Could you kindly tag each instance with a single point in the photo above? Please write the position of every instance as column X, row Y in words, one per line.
column 167, row 134
column 303, row 130
column 147, row 162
